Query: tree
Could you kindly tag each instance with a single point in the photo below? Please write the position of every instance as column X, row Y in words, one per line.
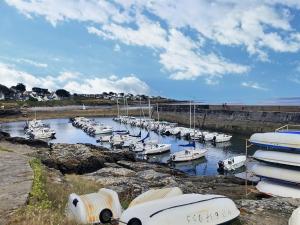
column 20, row 87
column 62, row 93
column 5, row 90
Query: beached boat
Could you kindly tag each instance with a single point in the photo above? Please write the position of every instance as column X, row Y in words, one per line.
column 295, row 217
column 182, row 210
column 93, row 208
column 283, row 158
column 155, row 194
column 232, row 163
column 283, row 140
column 275, row 188
column 276, row 173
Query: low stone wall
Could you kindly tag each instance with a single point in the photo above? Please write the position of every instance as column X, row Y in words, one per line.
column 228, row 120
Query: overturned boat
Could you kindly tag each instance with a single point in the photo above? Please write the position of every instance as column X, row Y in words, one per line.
column 182, row 210
column 93, row 208
column 275, row 188
column 283, row 158
column 295, row 218
column 283, row 140
column 276, row 173
column 155, row 194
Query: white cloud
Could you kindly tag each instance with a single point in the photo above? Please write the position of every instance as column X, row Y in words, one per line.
column 129, row 84
column 254, row 85
column 258, row 26
column 10, row 76
column 65, row 76
column 33, row 63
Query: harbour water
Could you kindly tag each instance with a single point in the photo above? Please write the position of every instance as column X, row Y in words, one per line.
column 66, row 133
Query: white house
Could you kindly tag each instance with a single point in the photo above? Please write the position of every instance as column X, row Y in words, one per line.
column 2, row 96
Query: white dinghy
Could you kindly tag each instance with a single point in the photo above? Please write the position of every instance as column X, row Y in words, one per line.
column 283, row 158
column 98, row 207
column 276, row 173
column 285, row 140
column 188, row 154
column 157, row 149
column 295, row 218
column 273, row 188
column 232, row 163
column 155, row 194
column 182, row 210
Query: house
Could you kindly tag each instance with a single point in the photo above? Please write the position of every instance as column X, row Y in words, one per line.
column 2, row 96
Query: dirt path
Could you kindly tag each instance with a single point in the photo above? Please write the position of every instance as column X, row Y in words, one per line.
column 16, row 178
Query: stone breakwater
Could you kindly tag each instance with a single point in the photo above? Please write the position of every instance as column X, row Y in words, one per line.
column 120, row 171
column 233, row 119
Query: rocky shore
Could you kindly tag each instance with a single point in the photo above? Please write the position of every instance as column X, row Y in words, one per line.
column 122, row 172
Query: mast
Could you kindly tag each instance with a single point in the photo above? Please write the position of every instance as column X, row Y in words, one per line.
column 149, row 108
column 158, row 121
column 194, row 126
column 118, row 107
column 126, row 106
column 190, row 114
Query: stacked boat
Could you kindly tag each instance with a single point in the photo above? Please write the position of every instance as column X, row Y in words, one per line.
column 279, row 165
column 37, row 129
column 90, row 126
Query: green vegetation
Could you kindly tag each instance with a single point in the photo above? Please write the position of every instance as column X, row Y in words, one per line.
column 5, row 150
column 49, row 196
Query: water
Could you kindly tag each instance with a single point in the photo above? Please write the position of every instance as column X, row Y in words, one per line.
column 66, row 133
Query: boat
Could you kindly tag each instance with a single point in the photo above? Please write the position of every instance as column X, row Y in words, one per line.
column 42, row 133
column 220, row 138
column 276, row 173
column 283, row 158
column 188, row 154
column 282, row 140
column 99, row 207
column 295, row 217
column 151, row 149
column 275, row 188
column 155, row 194
column 232, row 163
column 182, row 210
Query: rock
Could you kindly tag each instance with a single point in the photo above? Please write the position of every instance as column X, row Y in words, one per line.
column 151, row 175
column 4, row 135
column 80, row 158
column 29, row 142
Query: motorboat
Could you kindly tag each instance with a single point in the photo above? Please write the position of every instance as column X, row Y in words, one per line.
column 232, row 163
column 156, row 148
column 190, row 153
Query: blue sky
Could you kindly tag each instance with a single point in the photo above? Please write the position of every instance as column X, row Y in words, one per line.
column 212, row 51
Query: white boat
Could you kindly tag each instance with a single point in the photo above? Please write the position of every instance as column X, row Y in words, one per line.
column 42, row 133
column 283, row 140
column 157, row 149
column 93, row 208
column 273, row 188
column 100, row 129
column 219, row 138
column 277, row 173
column 295, row 217
column 232, row 163
column 188, row 155
column 283, row 158
column 182, row 210
column 155, row 194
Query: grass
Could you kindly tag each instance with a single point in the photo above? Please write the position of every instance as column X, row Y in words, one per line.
column 47, row 199
column 5, row 150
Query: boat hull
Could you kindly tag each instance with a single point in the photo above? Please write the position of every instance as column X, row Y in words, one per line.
column 276, row 140
column 283, row 158
column 273, row 188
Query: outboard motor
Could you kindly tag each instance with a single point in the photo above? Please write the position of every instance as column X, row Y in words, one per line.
column 214, row 140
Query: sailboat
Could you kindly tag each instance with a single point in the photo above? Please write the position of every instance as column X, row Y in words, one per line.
column 191, row 153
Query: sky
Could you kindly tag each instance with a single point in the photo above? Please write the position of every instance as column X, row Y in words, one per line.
column 215, row 51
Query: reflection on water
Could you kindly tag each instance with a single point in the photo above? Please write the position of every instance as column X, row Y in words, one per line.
column 66, row 133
